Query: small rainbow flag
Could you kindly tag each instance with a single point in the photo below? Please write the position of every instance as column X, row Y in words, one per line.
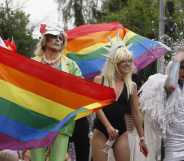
column 37, row 101
column 86, row 46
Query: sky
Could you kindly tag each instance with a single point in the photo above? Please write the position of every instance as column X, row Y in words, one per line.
column 41, row 11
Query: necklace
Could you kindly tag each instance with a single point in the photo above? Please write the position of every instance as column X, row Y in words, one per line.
column 51, row 62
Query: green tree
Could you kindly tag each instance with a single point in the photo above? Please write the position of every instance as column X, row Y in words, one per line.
column 140, row 16
column 175, row 19
column 114, row 5
column 14, row 25
column 79, row 18
column 78, row 11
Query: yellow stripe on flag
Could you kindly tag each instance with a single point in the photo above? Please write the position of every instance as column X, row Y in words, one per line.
column 32, row 101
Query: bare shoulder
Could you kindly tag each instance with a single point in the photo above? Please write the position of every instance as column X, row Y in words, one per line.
column 98, row 79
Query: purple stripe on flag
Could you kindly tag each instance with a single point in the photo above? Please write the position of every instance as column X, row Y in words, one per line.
column 8, row 142
column 148, row 58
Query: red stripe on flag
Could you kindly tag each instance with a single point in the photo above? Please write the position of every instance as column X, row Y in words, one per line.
column 92, row 28
column 53, row 76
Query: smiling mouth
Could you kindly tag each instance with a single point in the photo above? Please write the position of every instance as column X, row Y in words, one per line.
column 56, row 44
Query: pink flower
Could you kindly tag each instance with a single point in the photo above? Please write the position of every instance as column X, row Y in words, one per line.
column 43, row 28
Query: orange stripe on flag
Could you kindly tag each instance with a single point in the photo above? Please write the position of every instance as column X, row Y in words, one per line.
column 91, row 39
column 47, row 90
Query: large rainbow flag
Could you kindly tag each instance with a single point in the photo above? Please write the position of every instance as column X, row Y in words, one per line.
column 86, row 46
column 36, row 101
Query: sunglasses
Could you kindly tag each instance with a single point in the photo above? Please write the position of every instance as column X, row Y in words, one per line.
column 129, row 61
column 59, row 37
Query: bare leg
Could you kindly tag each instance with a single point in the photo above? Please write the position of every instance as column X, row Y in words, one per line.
column 121, row 148
column 98, row 142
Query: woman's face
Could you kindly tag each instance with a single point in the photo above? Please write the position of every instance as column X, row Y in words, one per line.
column 125, row 66
column 54, row 42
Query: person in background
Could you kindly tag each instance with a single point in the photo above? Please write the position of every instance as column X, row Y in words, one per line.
column 162, row 102
column 174, row 140
column 110, row 126
column 50, row 51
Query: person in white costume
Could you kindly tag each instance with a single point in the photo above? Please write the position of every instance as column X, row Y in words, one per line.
column 162, row 100
column 152, row 97
column 174, row 142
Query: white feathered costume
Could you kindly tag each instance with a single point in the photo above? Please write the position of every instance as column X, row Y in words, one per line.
column 164, row 117
column 152, row 100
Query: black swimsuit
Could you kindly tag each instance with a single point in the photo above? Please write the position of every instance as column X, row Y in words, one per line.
column 115, row 114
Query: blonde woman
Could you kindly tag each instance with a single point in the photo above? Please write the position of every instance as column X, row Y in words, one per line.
column 110, row 123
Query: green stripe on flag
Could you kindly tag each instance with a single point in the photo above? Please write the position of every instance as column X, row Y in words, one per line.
column 25, row 116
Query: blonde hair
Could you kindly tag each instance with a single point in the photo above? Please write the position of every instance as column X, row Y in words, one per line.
column 110, row 68
column 41, row 46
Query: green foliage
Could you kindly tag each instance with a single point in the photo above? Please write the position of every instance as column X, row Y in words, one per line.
column 140, row 16
column 114, row 5
column 14, row 25
column 78, row 11
column 175, row 22
column 79, row 18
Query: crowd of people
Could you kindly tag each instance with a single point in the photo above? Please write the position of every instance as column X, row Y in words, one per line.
column 159, row 103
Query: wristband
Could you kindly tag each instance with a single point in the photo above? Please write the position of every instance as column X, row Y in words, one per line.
column 141, row 138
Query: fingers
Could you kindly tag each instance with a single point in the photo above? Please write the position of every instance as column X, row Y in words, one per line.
column 114, row 134
column 143, row 149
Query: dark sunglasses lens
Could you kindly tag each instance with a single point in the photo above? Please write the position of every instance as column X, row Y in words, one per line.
column 61, row 38
column 49, row 36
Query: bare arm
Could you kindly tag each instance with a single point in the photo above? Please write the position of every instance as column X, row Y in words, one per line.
column 172, row 76
column 173, row 71
column 100, row 114
column 135, row 111
column 137, row 120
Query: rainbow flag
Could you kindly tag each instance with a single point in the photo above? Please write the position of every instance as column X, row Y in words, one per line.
column 37, row 101
column 86, row 46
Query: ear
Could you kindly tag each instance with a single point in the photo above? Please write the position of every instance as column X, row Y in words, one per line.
column 65, row 39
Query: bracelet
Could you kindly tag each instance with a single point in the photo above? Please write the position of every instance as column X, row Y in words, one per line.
column 141, row 138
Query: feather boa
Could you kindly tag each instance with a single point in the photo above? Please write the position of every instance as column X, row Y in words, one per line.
column 154, row 102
